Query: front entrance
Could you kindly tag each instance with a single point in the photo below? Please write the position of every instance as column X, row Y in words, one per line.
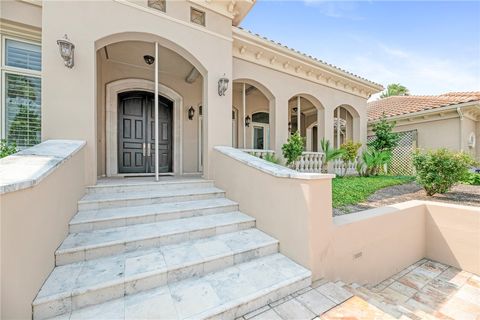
column 136, row 133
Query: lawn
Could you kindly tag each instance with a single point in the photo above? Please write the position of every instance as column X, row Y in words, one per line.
column 353, row 190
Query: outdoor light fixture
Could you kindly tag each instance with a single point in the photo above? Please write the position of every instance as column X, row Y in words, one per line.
column 66, row 51
column 222, row 86
column 247, row 121
column 148, row 59
column 289, row 127
column 191, row 113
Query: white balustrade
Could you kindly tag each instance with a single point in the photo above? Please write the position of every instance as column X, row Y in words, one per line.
column 259, row 153
column 309, row 162
column 341, row 168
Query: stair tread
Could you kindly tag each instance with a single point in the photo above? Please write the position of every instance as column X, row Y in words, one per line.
column 97, row 238
column 103, row 214
column 205, row 296
column 78, row 277
column 124, row 196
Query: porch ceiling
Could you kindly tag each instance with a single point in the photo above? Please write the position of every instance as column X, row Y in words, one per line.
column 132, row 52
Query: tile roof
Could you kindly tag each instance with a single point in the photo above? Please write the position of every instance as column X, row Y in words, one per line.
column 313, row 59
column 400, row 105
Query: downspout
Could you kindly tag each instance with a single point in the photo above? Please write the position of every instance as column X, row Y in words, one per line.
column 460, row 117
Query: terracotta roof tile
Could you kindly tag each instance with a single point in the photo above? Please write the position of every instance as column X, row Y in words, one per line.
column 400, row 105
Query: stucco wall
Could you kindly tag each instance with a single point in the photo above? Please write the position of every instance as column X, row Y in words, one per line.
column 21, row 12
column 33, row 223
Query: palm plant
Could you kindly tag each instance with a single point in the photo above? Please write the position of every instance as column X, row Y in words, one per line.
column 373, row 161
column 329, row 154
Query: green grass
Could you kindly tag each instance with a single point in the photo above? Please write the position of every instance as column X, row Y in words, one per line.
column 353, row 190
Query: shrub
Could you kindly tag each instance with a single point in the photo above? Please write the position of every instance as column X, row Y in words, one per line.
column 329, row 154
column 292, row 150
column 472, row 178
column 7, row 148
column 270, row 157
column 385, row 138
column 350, row 151
column 439, row 170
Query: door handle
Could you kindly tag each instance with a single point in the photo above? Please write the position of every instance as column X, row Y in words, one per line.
column 148, row 149
column 144, row 149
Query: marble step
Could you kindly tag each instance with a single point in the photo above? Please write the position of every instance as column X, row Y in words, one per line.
column 100, row 243
column 118, row 217
column 80, row 284
column 124, row 185
column 122, row 199
column 224, row 294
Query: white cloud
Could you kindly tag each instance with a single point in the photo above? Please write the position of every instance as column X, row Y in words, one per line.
column 336, row 9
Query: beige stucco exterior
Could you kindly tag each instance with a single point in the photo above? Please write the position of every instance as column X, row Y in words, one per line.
column 447, row 127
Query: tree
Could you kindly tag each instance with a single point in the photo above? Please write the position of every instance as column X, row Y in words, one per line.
column 395, row 89
column 350, row 152
column 329, row 154
column 25, row 128
column 385, row 138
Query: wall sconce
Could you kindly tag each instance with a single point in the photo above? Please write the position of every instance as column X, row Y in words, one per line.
column 222, row 86
column 289, row 127
column 247, row 121
column 66, row 51
column 191, row 113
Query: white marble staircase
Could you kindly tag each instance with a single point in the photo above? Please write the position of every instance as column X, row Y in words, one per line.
column 171, row 250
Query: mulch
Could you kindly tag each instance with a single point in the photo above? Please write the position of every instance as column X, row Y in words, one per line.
column 459, row 194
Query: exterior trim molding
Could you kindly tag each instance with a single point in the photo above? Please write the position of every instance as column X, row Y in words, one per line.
column 111, row 107
column 20, row 30
column 252, row 48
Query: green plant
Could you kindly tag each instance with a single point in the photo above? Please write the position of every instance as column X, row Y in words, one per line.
column 472, row 178
column 270, row 157
column 292, row 150
column 395, row 89
column 439, row 170
column 373, row 161
column 385, row 138
column 350, row 151
column 7, row 148
column 330, row 154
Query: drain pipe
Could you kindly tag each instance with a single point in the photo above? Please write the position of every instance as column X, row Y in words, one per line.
column 460, row 117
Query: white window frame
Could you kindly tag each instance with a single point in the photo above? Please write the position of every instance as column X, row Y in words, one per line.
column 4, row 69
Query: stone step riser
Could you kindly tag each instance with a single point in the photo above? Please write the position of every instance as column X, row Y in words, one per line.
column 149, row 218
column 149, row 187
column 73, row 255
column 54, row 306
column 255, row 302
column 104, row 204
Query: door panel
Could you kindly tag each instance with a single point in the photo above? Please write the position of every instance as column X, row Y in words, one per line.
column 131, row 136
column 136, row 133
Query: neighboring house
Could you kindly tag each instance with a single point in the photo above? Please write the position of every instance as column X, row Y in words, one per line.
column 450, row 120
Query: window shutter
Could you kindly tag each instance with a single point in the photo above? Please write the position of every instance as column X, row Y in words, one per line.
column 23, row 55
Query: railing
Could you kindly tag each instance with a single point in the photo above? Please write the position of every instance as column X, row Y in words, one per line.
column 310, row 162
column 341, row 168
column 259, row 153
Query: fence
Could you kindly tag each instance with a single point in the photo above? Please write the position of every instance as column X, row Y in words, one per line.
column 402, row 154
column 309, row 162
column 341, row 168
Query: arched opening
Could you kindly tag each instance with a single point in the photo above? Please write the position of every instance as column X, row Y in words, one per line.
column 125, row 112
column 345, row 125
column 254, row 107
column 305, row 113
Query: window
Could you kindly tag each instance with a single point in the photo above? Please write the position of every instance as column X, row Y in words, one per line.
column 197, row 16
column 160, row 5
column 21, row 103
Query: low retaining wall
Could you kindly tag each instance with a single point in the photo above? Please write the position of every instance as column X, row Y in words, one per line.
column 363, row 247
column 37, row 202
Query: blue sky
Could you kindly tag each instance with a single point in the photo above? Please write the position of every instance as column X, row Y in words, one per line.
column 431, row 47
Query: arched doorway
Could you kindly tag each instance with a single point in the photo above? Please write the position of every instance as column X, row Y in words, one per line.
column 345, row 125
column 306, row 115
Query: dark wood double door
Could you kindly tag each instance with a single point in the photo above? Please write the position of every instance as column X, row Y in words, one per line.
column 136, row 133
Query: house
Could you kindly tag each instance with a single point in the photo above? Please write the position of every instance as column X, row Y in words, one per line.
column 450, row 120
column 143, row 200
